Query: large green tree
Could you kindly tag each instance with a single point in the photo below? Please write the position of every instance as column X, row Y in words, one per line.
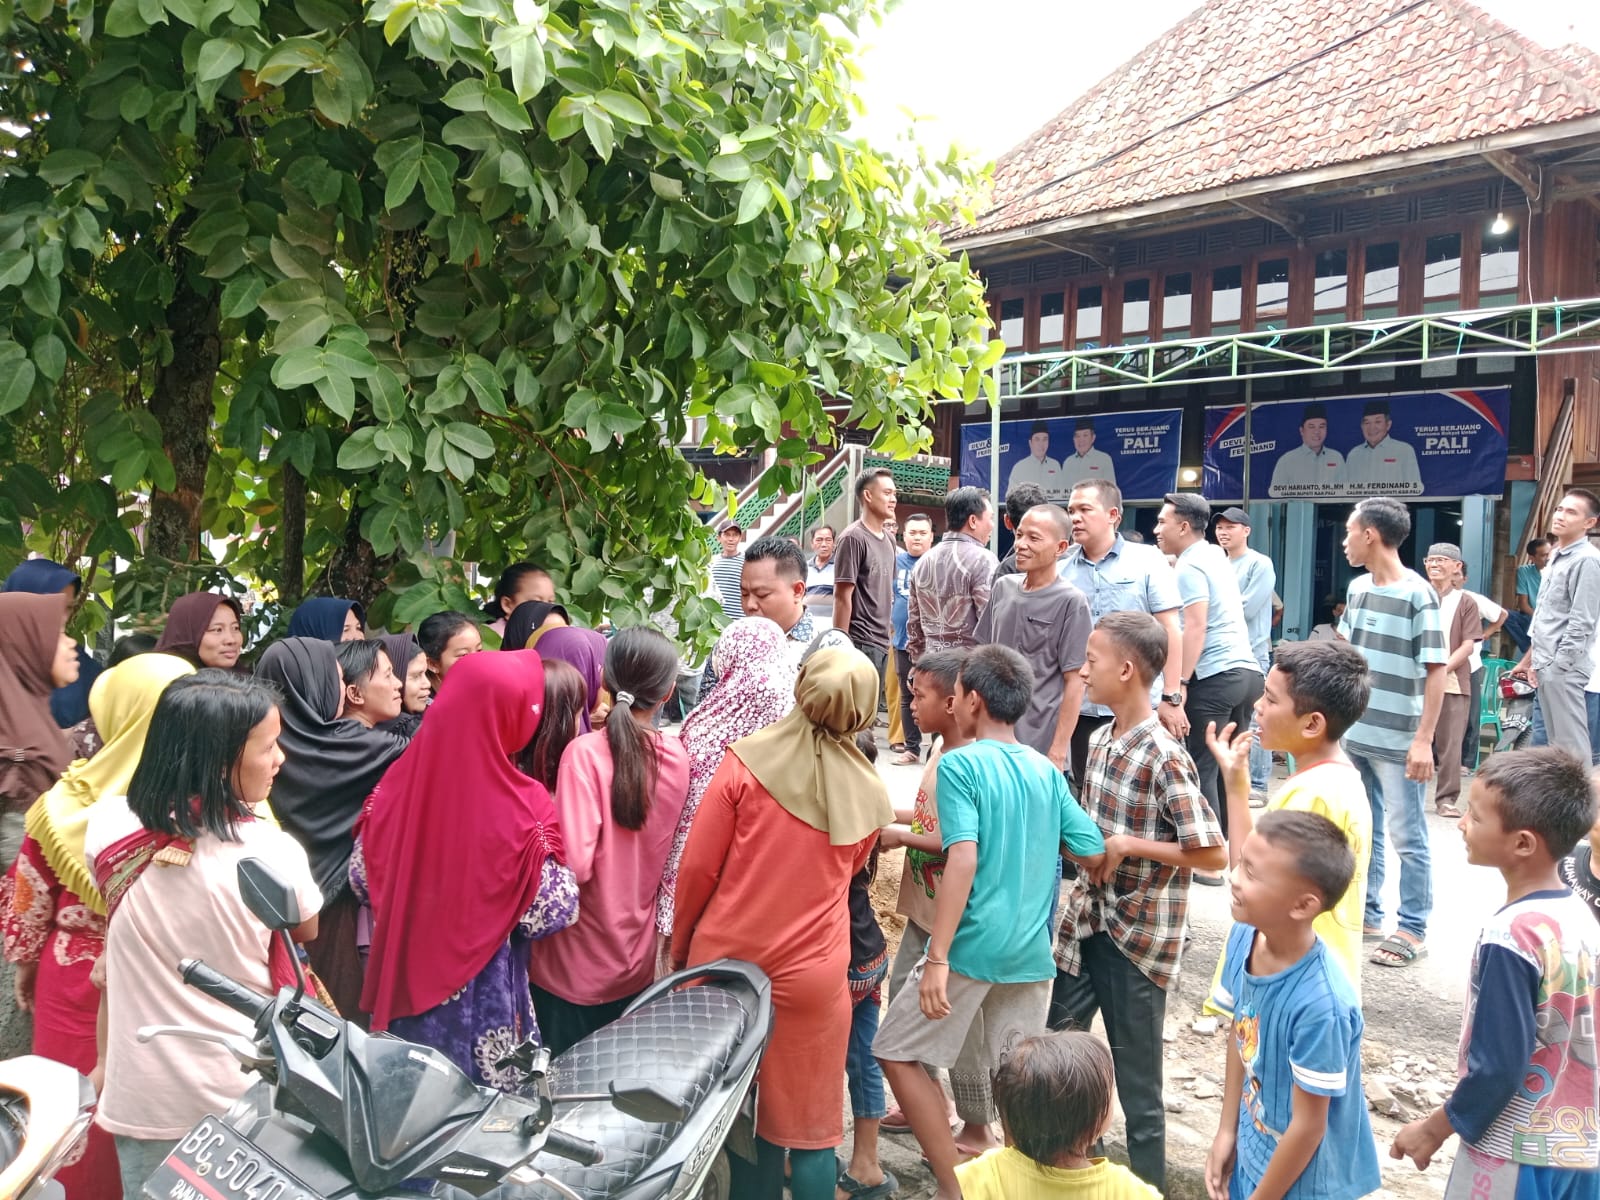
column 343, row 283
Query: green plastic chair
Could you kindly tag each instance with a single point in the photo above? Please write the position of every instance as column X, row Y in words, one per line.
column 1489, row 705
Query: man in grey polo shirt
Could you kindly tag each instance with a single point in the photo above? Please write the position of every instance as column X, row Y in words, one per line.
column 1118, row 575
column 1563, row 630
column 1221, row 677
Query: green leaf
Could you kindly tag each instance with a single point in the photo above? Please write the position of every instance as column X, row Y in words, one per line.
column 242, row 295
column 623, row 106
column 217, row 58
column 388, row 395
column 666, row 187
column 61, row 167
column 395, row 24
column 303, row 327
column 731, row 168
column 289, row 296
column 215, row 226
column 50, row 356
column 342, row 88
column 123, row 19
column 359, row 451
column 483, row 381
column 15, row 384
column 288, row 58
column 37, row 10
column 344, row 356
column 467, row 96
column 438, row 172
column 602, row 134
column 506, row 111
column 753, row 200
column 15, row 267
column 338, row 393
column 588, row 577
column 469, row 438
column 297, row 368
column 524, row 58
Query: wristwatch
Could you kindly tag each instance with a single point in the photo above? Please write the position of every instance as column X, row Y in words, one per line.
column 1173, row 698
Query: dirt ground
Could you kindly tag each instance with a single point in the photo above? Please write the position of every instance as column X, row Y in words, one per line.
column 1408, row 1059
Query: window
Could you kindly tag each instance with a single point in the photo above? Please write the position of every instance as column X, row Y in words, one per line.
column 1380, row 285
column 1177, row 306
column 1441, row 273
column 1052, row 319
column 1091, row 318
column 1330, row 295
column 1498, row 268
column 1227, row 299
column 1011, row 322
column 1272, row 293
column 1136, row 311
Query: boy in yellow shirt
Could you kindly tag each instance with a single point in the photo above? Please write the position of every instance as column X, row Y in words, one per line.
column 1314, row 692
column 1054, row 1096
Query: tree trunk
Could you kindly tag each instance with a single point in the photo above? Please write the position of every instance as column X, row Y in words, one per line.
column 293, row 588
column 183, row 405
column 356, row 572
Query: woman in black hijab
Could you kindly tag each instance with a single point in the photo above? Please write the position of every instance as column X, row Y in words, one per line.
column 530, row 619
column 330, row 766
column 411, row 669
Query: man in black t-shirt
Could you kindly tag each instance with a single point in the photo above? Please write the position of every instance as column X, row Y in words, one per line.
column 863, row 572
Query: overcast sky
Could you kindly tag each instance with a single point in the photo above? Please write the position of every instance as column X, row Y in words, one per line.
column 986, row 73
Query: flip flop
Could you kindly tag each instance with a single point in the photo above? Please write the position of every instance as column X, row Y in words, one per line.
column 879, row 1191
column 1402, row 948
column 1447, row 810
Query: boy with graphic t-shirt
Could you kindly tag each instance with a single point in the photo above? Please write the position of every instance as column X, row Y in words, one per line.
column 933, row 688
column 1577, row 872
column 1314, row 692
column 1294, row 1119
column 1004, row 814
column 1527, row 1104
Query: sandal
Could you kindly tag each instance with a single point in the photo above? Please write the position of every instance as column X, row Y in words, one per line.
column 906, row 758
column 1397, row 950
column 1371, row 935
column 1446, row 809
column 878, row 1191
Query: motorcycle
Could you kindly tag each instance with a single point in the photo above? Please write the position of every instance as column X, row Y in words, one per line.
column 45, row 1110
column 644, row 1109
column 1516, row 713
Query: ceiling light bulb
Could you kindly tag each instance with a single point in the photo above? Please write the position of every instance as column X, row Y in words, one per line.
column 1500, row 225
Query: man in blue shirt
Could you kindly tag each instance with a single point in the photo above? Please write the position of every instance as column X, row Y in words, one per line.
column 1221, row 678
column 1529, row 575
column 1257, row 581
column 918, row 537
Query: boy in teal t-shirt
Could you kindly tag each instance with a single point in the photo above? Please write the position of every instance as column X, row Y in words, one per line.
column 1005, row 812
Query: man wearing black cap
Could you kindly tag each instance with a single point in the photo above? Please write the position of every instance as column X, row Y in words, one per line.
column 1085, row 462
column 1038, row 468
column 1381, row 465
column 1312, row 467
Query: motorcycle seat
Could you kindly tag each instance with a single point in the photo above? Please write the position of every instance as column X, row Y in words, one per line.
column 681, row 1042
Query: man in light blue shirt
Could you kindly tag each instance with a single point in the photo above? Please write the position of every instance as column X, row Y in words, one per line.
column 1221, row 678
column 1257, row 581
column 1117, row 575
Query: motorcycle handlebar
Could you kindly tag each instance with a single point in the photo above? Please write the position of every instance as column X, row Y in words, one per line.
column 578, row 1150
column 218, row 986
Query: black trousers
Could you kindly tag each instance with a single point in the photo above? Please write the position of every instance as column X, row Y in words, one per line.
column 1134, row 1011
column 1220, row 698
column 1078, row 760
column 563, row 1024
column 908, row 723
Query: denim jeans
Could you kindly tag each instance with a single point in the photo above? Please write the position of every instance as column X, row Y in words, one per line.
column 1260, row 767
column 1593, row 700
column 138, row 1158
column 862, row 1071
column 1403, row 801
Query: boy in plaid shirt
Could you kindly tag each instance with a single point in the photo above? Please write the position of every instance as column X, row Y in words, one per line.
column 1122, row 925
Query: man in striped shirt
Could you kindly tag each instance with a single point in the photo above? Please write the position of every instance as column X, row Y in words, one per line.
column 1392, row 616
column 726, row 569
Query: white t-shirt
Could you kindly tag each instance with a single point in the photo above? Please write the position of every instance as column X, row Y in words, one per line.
column 156, row 1090
column 1490, row 612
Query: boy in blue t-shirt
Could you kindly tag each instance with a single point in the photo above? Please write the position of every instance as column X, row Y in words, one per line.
column 1004, row 814
column 1294, row 1118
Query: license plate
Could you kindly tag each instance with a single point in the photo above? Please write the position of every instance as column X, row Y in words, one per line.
column 212, row 1162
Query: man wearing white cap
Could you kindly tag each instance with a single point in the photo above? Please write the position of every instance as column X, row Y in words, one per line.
column 1458, row 614
column 1257, row 581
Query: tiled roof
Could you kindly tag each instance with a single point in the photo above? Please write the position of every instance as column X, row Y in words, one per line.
column 1250, row 89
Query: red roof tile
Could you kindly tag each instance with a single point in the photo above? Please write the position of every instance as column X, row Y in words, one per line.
column 1250, row 89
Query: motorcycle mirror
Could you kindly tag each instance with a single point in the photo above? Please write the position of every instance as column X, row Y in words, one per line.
column 646, row 1102
column 271, row 900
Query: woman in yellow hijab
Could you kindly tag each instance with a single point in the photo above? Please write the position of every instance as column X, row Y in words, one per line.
column 791, row 814
column 54, row 917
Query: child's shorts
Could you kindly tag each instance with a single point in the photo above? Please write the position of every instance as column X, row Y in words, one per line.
column 1011, row 1012
column 1476, row 1175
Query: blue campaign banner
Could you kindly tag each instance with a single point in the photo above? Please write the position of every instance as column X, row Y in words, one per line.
column 1419, row 445
column 1137, row 451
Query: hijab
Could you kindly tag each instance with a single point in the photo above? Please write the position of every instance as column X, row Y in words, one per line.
column 455, row 807
column 401, row 649
column 754, row 688
column 187, row 622
column 323, row 617
column 122, row 702
column 584, row 649
column 42, row 577
column 33, row 750
column 523, row 623
column 809, row 761
column 330, row 766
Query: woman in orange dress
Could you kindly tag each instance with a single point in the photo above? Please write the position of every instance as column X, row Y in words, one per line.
column 791, row 814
